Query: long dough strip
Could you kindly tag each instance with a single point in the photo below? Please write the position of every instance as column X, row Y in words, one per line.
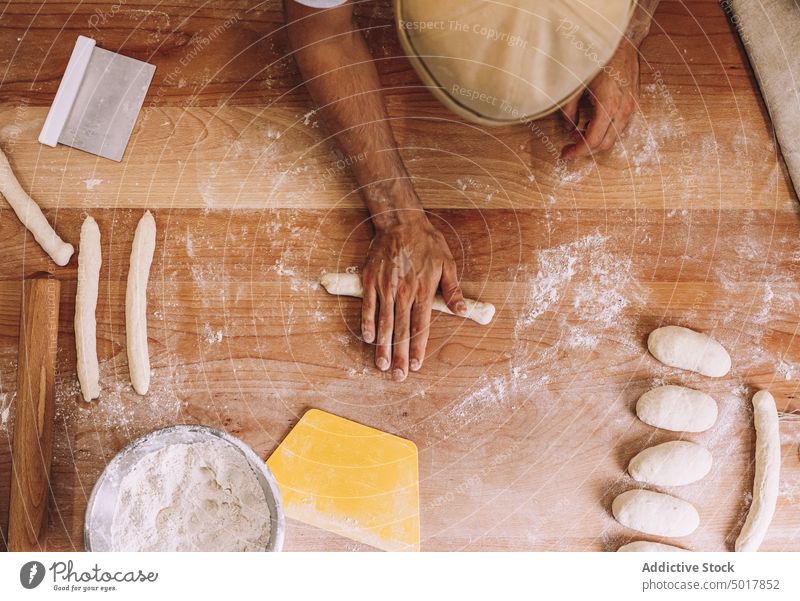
column 144, row 243
column 89, row 261
column 649, row 547
column 31, row 215
column 349, row 284
column 768, row 467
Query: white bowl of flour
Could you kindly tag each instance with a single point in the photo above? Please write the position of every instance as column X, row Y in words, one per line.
column 185, row 488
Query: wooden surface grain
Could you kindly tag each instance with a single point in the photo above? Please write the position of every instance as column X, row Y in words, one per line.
column 524, row 427
column 32, row 443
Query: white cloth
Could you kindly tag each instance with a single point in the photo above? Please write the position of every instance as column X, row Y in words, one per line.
column 495, row 62
column 770, row 32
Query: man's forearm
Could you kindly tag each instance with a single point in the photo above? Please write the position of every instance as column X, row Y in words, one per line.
column 341, row 77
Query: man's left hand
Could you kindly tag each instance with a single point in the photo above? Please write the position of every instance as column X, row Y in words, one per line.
column 613, row 94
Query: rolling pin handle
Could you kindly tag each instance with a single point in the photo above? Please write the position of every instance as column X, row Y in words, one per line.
column 32, row 444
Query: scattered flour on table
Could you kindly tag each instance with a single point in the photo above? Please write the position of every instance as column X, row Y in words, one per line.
column 603, row 289
column 119, row 409
column 639, row 144
column 5, row 410
column 771, row 298
column 353, row 372
column 189, row 243
column 735, row 416
column 91, row 184
column 789, row 484
column 786, row 370
column 556, row 268
column 205, row 273
column 208, row 194
column 297, row 282
column 597, row 285
column 307, row 118
column 766, row 301
column 212, row 336
column 601, row 295
column 638, row 147
column 202, row 496
column 580, row 338
column 490, row 391
column 493, row 394
column 746, row 502
column 571, row 174
column 319, row 315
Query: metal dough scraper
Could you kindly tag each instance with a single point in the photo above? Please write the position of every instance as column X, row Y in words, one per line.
column 97, row 101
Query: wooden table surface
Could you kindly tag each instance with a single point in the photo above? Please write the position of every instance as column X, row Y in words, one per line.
column 524, row 427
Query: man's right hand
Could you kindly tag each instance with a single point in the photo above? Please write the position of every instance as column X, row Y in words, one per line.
column 407, row 261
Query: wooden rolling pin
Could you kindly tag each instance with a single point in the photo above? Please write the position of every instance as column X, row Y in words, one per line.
column 32, row 447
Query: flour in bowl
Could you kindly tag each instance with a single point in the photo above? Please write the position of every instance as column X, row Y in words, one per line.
column 202, row 496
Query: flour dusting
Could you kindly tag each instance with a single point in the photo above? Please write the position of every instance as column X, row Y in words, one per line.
column 212, row 336
column 556, row 268
column 604, row 288
column 5, row 412
column 494, row 395
column 297, row 282
column 119, row 408
column 189, row 243
column 91, row 184
column 638, row 146
column 490, row 391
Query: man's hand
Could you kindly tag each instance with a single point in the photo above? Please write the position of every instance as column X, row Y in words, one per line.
column 406, row 262
column 408, row 257
column 613, row 95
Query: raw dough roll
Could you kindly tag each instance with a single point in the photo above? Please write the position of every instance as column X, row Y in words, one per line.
column 671, row 464
column 89, row 261
column 677, row 408
column 144, row 243
column 31, row 215
column 639, row 546
column 684, row 348
column 349, row 284
column 655, row 513
column 768, row 467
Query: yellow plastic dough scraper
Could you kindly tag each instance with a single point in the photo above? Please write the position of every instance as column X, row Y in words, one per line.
column 350, row 479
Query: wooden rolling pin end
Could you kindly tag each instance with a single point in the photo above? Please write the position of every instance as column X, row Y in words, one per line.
column 32, row 445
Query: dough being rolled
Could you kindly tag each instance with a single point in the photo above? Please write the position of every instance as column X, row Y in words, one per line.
column 639, row 546
column 349, row 284
column 144, row 243
column 655, row 513
column 31, row 215
column 672, row 463
column 89, row 261
column 684, row 348
column 677, row 408
column 768, row 467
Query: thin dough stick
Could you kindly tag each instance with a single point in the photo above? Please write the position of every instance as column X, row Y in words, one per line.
column 349, row 284
column 768, row 467
column 649, row 547
column 31, row 215
column 144, row 243
column 89, row 261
